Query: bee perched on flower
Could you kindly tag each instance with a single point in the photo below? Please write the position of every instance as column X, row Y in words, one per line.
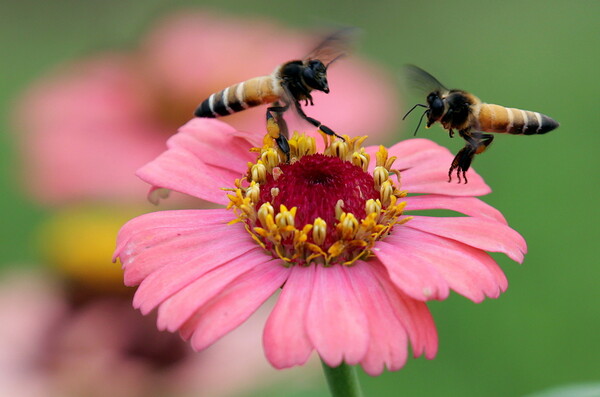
column 334, row 229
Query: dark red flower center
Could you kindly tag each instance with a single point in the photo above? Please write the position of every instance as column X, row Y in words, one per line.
column 314, row 184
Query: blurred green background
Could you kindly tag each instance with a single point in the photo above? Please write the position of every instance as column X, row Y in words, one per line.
column 536, row 55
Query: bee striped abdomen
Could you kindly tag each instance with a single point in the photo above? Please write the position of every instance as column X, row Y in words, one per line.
column 496, row 118
column 250, row 93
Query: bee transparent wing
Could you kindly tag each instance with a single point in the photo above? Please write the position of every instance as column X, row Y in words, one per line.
column 420, row 81
column 335, row 46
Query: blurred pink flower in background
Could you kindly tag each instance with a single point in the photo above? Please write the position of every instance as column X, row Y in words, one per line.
column 85, row 128
column 53, row 347
column 207, row 275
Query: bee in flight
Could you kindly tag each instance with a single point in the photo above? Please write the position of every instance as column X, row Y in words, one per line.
column 288, row 85
column 462, row 111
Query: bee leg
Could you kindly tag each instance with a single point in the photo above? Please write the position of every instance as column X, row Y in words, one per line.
column 462, row 162
column 477, row 143
column 277, row 128
column 306, row 93
column 308, row 100
column 483, row 141
column 284, row 145
column 451, row 133
column 316, row 122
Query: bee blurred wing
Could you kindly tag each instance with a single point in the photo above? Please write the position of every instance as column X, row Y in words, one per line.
column 420, row 81
column 335, row 46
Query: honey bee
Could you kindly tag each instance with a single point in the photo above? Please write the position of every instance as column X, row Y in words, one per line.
column 288, row 85
column 462, row 111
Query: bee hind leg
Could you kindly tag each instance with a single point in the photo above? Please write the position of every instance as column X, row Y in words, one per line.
column 277, row 128
column 462, row 162
column 477, row 143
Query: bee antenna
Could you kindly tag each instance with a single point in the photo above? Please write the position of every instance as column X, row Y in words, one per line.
column 420, row 120
column 413, row 108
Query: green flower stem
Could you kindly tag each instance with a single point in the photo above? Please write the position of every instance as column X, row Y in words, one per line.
column 342, row 380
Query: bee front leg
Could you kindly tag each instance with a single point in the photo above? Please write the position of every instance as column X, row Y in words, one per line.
column 309, row 99
column 316, row 122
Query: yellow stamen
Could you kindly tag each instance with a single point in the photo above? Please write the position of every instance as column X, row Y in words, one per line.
column 253, row 192
column 285, row 217
column 258, row 172
column 361, row 159
column 386, row 191
column 339, row 149
column 264, row 211
column 301, row 145
column 380, row 175
column 319, row 231
column 348, row 226
column 373, row 207
column 270, row 159
column 339, row 209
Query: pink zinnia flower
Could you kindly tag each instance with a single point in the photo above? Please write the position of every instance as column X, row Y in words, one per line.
column 329, row 229
column 124, row 105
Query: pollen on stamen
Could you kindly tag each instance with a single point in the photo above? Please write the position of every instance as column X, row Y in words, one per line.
column 318, row 208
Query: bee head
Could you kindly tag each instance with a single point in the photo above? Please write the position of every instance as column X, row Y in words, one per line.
column 436, row 108
column 315, row 75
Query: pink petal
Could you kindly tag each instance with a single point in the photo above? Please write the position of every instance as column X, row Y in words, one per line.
column 177, row 309
column 169, row 249
column 235, row 304
column 466, row 205
column 152, row 241
column 285, row 337
column 466, row 269
column 413, row 314
column 335, row 321
column 170, row 219
column 477, row 232
column 194, row 163
column 424, row 168
column 208, row 138
column 411, row 272
column 174, row 276
column 412, row 152
column 388, row 339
